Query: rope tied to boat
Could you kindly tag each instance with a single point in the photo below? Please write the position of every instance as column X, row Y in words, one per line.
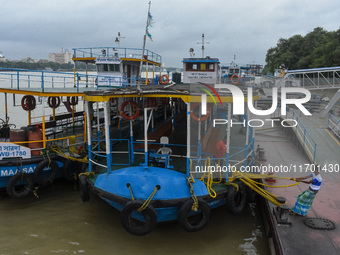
column 190, row 181
column 55, row 148
column 147, row 202
column 129, row 187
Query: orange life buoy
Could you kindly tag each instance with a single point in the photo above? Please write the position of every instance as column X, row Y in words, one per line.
column 194, row 117
column 28, row 103
column 134, row 116
column 164, row 79
column 53, row 102
column 233, row 81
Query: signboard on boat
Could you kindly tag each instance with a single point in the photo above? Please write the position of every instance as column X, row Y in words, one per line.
column 11, row 150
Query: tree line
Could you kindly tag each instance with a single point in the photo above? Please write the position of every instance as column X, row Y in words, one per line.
column 43, row 66
column 319, row 48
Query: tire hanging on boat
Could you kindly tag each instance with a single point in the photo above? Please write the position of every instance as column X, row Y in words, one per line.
column 53, row 102
column 71, row 170
column 138, row 227
column 20, row 185
column 236, row 200
column 72, row 100
column 84, row 188
column 28, row 103
column 193, row 223
column 44, row 177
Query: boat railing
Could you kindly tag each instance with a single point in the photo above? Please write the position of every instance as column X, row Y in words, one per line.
column 239, row 160
column 127, row 53
column 43, row 81
column 334, row 125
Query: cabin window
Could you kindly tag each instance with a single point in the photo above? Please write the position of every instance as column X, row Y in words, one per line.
column 199, row 67
column 108, row 67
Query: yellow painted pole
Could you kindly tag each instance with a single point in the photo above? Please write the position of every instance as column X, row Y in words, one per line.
column 53, row 113
column 85, row 123
column 43, row 130
column 29, row 117
column 73, row 110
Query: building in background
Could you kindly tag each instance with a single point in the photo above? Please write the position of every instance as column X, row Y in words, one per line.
column 61, row 58
column 2, row 57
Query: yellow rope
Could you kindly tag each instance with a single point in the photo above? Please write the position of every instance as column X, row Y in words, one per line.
column 132, row 197
column 147, row 202
column 56, row 149
column 190, row 181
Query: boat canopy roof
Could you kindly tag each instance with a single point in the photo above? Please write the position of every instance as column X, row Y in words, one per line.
column 184, row 91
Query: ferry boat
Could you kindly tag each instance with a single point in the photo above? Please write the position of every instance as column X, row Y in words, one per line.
column 167, row 168
column 52, row 144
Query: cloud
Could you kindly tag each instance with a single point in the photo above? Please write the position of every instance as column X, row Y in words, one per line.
column 246, row 28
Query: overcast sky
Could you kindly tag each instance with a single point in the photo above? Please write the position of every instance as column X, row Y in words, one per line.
column 245, row 28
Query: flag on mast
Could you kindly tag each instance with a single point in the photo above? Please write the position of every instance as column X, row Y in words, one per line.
column 149, row 24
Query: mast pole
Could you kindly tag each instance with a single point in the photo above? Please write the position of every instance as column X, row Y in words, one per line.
column 144, row 41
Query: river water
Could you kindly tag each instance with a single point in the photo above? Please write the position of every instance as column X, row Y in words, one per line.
column 58, row 222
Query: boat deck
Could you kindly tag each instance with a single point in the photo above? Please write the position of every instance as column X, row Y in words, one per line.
column 299, row 238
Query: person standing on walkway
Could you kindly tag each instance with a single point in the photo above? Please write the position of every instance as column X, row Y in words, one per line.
column 305, row 199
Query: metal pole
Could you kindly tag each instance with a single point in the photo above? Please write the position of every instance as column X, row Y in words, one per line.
column 142, row 57
column 188, row 139
column 89, row 142
column 146, row 136
column 107, row 136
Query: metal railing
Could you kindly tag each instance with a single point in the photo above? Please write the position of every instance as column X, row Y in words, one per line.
column 303, row 134
column 334, row 125
column 116, row 52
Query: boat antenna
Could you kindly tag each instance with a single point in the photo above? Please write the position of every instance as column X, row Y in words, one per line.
column 203, row 45
column 118, row 39
column 144, row 41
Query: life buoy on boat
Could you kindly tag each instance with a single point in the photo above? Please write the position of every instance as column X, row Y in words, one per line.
column 28, row 103
column 72, row 100
column 236, row 200
column 233, row 80
column 138, row 227
column 194, row 117
column 53, row 102
column 84, row 188
column 190, row 222
column 164, row 79
column 135, row 115
column 20, row 185
column 45, row 177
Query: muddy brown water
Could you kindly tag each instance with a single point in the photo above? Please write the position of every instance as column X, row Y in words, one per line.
column 58, row 222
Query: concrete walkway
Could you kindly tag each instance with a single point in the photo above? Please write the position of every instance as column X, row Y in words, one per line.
column 280, row 150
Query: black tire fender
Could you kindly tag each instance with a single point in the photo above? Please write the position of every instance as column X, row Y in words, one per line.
column 22, row 179
column 236, row 200
column 134, row 226
column 84, row 188
column 38, row 172
column 184, row 215
column 71, row 169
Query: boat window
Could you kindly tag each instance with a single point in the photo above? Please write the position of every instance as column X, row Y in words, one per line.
column 114, row 67
column 199, row 67
column 108, row 67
